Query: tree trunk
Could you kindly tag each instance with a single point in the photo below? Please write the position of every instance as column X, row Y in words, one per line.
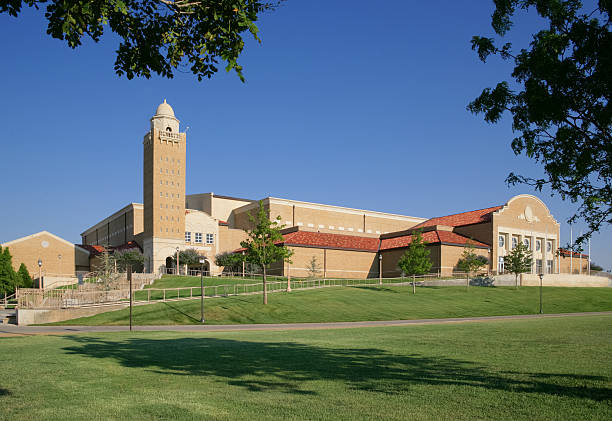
column 265, row 286
column 516, row 280
column 467, row 280
column 413, row 284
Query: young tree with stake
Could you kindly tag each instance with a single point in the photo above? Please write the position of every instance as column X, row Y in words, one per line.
column 470, row 262
column 262, row 246
column 415, row 260
column 518, row 261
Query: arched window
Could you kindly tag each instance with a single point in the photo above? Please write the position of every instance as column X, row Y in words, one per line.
column 168, row 129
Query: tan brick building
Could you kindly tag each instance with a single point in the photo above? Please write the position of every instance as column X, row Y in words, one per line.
column 345, row 242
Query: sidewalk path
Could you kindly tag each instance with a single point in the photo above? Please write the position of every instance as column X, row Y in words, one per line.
column 7, row 331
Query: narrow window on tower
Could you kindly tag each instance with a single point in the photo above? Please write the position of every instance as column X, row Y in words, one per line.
column 210, row 238
column 187, row 237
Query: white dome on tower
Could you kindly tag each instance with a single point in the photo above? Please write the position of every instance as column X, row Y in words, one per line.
column 164, row 109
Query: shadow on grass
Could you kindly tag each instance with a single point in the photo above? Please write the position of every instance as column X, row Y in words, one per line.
column 178, row 310
column 377, row 289
column 285, row 366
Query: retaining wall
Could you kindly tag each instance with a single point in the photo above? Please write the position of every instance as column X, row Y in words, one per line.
column 39, row 316
column 565, row 280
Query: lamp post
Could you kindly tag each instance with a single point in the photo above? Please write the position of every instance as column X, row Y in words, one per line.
column 380, row 268
column 202, row 289
column 541, row 275
column 39, row 273
column 177, row 262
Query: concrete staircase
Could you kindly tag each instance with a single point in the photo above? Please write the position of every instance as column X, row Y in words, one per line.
column 8, row 317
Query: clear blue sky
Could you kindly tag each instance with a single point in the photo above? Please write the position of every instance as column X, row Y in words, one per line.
column 350, row 102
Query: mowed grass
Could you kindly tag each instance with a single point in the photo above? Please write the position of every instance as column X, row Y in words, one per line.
column 170, row 281
column 553, row 369
column 362, row 303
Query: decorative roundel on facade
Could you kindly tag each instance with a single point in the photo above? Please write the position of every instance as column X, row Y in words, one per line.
column 44, row 244
column 528, row 214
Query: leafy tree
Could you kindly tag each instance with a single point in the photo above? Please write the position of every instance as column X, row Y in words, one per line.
column 518, row 261
column 415, row 260
column 130, row 257
column 470, row 261
column 596, row 267
column 560, row 108
column 231, row 262
column 8, row 276
column 23, row 276
column 157, row 36
column 188, row 257
column 313, row 268
column 262, row 247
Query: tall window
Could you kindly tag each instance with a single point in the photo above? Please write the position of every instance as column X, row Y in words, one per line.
column 514, row 242
column 538, row 245
column 198, row 237
column 500, row 265
column 548, row 246
column 549, row 266
column 538, row 266
column 527, row 244
column 502, row 241
column 210, row 238
column 187, row 237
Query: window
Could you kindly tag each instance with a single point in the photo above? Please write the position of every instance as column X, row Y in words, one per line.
column 538, row 266
column 501, row 241
column 514, row 242
column 210, row 238
column 500, row 265
column 187, row 237
column 549, row 266
column 538, row 245
column 198, row 237
column 526, row 243
column 548, row 246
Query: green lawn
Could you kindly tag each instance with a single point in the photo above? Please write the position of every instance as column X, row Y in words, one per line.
column 362, row 303
column 170, row 281
column 510, row 370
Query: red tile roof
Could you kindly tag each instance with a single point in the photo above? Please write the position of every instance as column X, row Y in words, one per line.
column 459, row 219
column 95, row 250
column 568, row 253
column 326, row 240
column 430, row 237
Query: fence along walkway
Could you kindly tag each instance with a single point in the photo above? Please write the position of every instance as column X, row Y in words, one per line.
column 57, row 299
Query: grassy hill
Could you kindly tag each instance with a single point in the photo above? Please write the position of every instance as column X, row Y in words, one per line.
column 553, row 369
column 362, row 303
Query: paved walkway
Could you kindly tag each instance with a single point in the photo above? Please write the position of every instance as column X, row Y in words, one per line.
column 6, row 331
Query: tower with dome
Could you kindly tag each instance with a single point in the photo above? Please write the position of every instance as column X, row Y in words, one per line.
column 163, row 187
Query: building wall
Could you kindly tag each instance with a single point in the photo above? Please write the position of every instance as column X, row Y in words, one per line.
column 574, row 265
column 327, row 218
column 479, row 232
column 525, row 217
column 452, row 254
column 119, row 228
column 333, row 263
column 229, row 239
column 391, row 257
column 58, row 256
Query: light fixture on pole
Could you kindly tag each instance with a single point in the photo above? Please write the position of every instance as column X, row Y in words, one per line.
column 39, row 273
column 202, row 289
column 541, row 275
column 177, row 262
column 380, row 268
